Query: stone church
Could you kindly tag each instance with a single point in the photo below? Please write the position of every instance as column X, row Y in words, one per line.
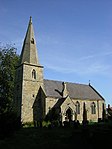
column 36, row 97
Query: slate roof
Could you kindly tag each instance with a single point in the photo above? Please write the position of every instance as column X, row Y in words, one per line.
column 76, row 91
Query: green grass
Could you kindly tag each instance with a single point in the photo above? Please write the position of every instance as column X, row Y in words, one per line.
column 56, row 138
column 31, row 138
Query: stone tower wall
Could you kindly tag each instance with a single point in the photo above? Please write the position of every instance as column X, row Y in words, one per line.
column 18, row 90
column 26, row 89
column 30, row 87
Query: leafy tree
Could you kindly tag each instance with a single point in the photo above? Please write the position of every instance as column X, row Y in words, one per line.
column 8, row 118
column 103, row 113
column 84, row 114
column 8, row 62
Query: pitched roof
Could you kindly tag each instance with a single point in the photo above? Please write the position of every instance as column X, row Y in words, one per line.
column 75, row 90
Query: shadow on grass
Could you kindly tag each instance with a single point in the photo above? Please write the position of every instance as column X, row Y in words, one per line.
column 88, row 137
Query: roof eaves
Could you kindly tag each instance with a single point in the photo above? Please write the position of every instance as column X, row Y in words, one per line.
column 96, row 92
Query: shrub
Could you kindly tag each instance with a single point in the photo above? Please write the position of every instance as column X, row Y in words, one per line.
column 46, row 124
column 9, row 123
column 28, row 124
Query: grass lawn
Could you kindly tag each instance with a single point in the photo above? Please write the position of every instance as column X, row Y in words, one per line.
column 31, row 138
column 56, row 138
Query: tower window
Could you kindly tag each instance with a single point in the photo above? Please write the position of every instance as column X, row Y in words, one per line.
column 93, row 108
column 32, row 41
column 34, row 74
column 77, row 107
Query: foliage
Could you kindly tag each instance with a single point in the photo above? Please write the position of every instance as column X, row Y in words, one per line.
column 8, row 62
column 31, row 124
column 84, row 114
column 28, row 124
column 54, row 114
column 104, row 113
column 9, row 122
column 46, row 123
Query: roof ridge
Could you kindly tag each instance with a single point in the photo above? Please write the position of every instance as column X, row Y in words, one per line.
column 53, row 80
column 66, row 82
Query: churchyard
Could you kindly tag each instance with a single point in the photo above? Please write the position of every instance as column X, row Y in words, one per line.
column 89, row 137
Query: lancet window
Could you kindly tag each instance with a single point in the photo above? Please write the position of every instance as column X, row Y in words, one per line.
column 34, row 74
column 93, row 108
column 77, row 107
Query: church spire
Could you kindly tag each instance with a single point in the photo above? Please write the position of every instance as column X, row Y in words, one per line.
column 29, row 50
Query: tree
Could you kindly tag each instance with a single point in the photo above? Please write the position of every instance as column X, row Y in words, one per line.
column 84, row 114
column 103, row 113
column 8, row 62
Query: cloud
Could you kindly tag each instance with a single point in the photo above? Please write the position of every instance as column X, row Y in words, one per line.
column 90, row 69
column 86, row 65
column 100, row 55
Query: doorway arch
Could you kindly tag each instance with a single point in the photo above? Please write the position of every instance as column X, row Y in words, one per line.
column 69, row 114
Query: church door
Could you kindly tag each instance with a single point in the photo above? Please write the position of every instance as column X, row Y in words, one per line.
column 69, row 114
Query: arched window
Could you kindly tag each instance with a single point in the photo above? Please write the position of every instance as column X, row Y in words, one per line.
column 77, row 107
column 93, row 108
column 34, row 74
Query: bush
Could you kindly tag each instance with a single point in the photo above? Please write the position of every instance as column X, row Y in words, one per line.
column 46, row 124
column 28, row 124
column 9, row 123
column 55, row 123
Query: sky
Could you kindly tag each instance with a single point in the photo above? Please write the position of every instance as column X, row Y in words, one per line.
column 74, row 38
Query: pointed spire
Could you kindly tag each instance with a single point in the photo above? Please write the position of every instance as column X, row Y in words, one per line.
column 89, row 82
column 30, row 19
column 29, row 50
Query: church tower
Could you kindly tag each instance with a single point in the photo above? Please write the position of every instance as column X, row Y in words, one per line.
column 29, row 76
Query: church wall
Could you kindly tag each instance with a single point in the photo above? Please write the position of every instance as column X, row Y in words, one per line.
column 90, row 117
column 27, row 72
column 50, row 102
column 101, row 108
column 30, row 87
column 79, row 116
column 18, row 90
column 39, row 106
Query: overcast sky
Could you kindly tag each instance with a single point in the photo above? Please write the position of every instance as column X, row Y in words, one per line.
column 74, row 38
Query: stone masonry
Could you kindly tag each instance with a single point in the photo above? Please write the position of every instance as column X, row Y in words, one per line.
column 35, row 96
